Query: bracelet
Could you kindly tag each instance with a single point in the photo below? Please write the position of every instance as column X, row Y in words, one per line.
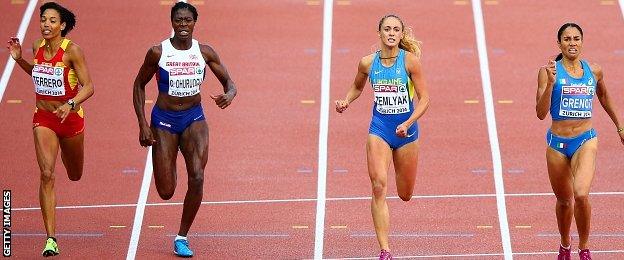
column 620, row 129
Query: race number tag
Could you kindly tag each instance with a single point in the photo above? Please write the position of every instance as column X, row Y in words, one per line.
column 48, row 80
column 576, row 101
column 391, row 99
column 185, row 81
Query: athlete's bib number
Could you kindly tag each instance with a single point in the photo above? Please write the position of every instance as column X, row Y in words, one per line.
column 576, row 101
column 185, row 82
column 391, row 99
column 48, row 80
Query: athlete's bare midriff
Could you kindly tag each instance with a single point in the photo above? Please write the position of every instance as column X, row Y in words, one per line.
column 571, row 127
column 171, row 103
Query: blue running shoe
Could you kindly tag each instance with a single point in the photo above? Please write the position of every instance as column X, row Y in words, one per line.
column 181, row 248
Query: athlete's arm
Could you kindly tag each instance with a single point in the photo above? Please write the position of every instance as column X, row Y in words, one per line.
column 147, row 70
column 77, row 60
column 545, row 83
column 605, row 99
column 358, row 84
column 15, row 48
column 414, row 68
column 219, row 70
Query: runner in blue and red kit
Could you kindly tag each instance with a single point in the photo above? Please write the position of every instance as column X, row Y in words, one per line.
column 566, row 88
column 396, row 77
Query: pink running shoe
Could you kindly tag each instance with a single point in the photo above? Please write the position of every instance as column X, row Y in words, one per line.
column 564, row 254
column 585, row 254
column 385, row 255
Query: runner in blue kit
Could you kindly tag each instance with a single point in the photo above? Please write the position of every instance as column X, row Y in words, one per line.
column 178, row 121
column 566, row 88
column 396, row 77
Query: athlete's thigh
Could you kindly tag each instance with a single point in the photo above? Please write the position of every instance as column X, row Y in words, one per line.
column 584, row 166
column 378, row 156
column 46, row 147
column 164, row 154
column 194, row 145
column 405, row 165
column 559, row 173
column 72, row 152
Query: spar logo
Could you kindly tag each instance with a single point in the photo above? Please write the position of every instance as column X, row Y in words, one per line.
column 43, row 70
column 182, row 71
column 578, row 90
column 389, row 88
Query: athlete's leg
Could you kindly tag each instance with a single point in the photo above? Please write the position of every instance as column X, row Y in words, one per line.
column 164, row 154
column 378, row 155
column 405, row 163
column 583, row 168
column 72, row 155
column 194, row 147
column 561, row 183
column 46, row 147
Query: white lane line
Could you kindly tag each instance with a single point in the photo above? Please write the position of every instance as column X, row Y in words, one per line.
column 621, row 3
column 21, row 33
column 491, row 122
column 267, row 201
column 319, row 230
column 140, row 207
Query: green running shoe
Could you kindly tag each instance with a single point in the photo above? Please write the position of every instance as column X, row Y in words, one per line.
column 51, row 249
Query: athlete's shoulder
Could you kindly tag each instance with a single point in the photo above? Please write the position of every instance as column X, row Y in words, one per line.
column 368, row 59
column 595, row 69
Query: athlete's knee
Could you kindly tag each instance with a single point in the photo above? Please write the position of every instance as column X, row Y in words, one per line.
column 47, row 176
column 565, row 202
column 196, row 182
column 581, row 199
column 405, row 196
column 75, row 176
column 166, row 194
column 379, row 188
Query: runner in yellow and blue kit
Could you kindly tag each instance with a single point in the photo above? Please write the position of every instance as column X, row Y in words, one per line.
column 394, row 104
column 396, row 77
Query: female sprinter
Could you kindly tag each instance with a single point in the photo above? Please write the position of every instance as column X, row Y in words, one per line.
column 566, row 88
column 396, row 75
column 178, row 120
column 62, row 84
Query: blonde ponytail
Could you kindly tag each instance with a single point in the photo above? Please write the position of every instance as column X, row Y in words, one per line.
column 409, row 43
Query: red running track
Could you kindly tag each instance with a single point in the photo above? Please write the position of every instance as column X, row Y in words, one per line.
column 261, row 177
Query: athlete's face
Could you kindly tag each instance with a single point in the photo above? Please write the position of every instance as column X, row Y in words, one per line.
column 183, row 24
column 391, row 32
column 50, row 24
column 571, row 43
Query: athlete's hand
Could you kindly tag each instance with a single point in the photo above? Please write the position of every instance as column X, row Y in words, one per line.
column 551, row 71
column 222, row 100
column 401, row 130
column 15, row 48
column 341, row 105
column 63, row 111
column 146, row 137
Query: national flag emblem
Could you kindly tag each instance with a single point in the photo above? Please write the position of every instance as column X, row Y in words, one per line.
column 562, row 81
column 561, row 145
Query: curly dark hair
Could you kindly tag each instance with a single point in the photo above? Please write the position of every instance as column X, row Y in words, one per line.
column 67, row 16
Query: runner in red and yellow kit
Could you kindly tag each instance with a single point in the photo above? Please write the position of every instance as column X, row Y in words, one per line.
column 62, row 84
